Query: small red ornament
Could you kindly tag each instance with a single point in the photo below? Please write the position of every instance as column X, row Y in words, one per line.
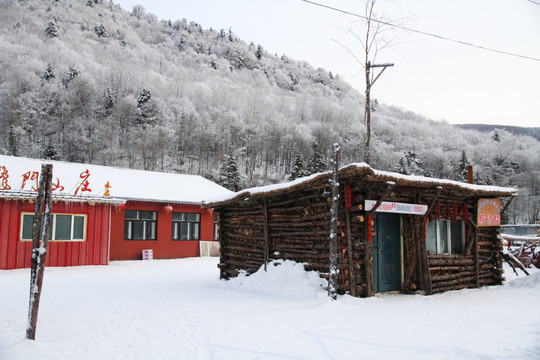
column 465, row 213
column 348, row 197
column 168, row 208
column 370, row 228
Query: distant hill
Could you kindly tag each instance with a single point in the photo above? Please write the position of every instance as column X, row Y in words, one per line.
column 516, row 130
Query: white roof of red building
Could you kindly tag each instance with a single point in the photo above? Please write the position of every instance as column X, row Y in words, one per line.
column 85, row 182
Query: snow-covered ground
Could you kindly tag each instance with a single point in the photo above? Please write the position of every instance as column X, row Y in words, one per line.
column 179, row 309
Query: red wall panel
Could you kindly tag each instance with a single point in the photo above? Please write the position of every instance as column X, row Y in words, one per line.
column 163, row 247
column 15, row 253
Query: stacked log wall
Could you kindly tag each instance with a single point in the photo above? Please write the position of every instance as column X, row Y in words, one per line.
column 298, row 230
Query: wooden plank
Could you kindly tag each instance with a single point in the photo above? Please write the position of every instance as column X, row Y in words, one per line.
column 350, row 251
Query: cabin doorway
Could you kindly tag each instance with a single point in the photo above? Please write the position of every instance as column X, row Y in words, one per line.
column 387, row 253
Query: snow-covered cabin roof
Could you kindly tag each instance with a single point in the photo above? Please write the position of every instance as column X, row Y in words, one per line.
column 95, row 183
column 360, row 169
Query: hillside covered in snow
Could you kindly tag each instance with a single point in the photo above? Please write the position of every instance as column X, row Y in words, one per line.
column 86, row 81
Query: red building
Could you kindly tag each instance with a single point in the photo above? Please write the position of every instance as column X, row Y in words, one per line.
column 104, row 213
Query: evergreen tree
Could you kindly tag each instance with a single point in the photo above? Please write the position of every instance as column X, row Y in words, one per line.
column 70, row 75
column 100, row 30
column 49, row 152
column 48, row 74
column 299, row 167
column 316, row 163
column 51, row 30
column 401, row 167
column 462, row 167
column 259, row 52
column 496, row 136
column 109, row 99
column 229, row 176
column 144, row 96
column 12, row 142
column 147, row 109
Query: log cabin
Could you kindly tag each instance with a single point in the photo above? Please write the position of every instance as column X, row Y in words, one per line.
column 396, row 233
column 103, row 213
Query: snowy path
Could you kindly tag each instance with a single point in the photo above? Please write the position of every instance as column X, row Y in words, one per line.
column 179, row 309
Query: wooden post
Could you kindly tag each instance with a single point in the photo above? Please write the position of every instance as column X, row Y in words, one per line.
column 333, row 275
column 266, row 233
column 368, row 269
column 475, row 246
column 350, row 252
column 427, row 273
column 40, row 241
column 424, row 274
column 418, row 239
column 368, row 113
column 476, row 266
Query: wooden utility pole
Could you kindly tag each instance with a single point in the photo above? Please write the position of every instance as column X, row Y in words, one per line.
column 333, row 271
column 367, row 113
column 40, row 241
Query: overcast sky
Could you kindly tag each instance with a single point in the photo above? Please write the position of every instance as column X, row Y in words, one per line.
column 433, row 77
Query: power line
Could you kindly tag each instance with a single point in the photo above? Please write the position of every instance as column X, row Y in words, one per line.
column 534, row 2
column 422, row 32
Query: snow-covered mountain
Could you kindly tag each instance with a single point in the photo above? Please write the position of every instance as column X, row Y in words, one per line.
column 87, row 81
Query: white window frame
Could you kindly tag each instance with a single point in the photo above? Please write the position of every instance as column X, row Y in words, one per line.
column 149, row 225
column 448, row 235
column 191, row 224
column 216, row 227
column 53, row 227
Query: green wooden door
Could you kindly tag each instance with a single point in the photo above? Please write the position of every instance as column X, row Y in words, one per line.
column 387, row 253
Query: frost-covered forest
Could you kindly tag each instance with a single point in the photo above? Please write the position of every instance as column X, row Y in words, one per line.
column 86, row 81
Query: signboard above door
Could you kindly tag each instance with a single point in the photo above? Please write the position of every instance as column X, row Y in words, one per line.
column 396, row 207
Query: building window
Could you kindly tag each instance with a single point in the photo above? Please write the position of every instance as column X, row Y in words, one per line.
column 140, row 225
column 445, row 237
column 64, row 227
column 216, row 227
column 186, row 226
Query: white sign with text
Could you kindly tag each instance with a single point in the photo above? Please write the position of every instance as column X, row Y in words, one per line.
column 395, row 207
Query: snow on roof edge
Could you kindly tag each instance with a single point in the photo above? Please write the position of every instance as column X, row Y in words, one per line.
column 357, row 167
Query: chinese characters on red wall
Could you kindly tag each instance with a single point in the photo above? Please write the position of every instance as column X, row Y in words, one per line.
column 29, row 181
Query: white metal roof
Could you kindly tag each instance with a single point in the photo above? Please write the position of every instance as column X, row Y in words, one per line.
column 85, row 182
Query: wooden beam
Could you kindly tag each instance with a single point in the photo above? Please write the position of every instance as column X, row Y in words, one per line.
column 266, row 233
column 439, row 189
column 390, row 185
column 508, row 203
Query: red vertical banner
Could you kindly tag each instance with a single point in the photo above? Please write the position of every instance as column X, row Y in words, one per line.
column 370, row 228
